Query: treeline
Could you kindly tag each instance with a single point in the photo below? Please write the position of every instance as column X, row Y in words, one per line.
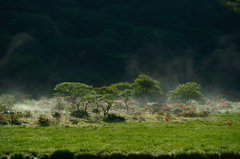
column 103, row 42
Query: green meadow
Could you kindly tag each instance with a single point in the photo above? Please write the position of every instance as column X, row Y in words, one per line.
column 204, row 135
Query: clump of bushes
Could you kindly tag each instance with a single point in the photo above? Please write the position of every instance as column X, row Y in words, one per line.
column 74, row 121
column 17, row 156
column 193, row 113
column 8, row 100
column 62, row 154
column 3, row 157
column 14, row 120
column 113, row 118
column 43, row 156
column 79, row 114
column 3, row 120
column 56, row 115
column 42, row 121
column 6, row 119
column 95, row 110
column 3, row 107
column 25, row 114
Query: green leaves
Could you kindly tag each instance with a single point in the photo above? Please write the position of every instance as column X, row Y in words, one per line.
column 73, row 89
column 186, row 92
column 145, row 85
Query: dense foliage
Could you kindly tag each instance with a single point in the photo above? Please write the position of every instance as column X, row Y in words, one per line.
column 102, row 42
column 185, row 93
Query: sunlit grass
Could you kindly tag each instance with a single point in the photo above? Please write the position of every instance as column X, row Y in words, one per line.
column 210, row 134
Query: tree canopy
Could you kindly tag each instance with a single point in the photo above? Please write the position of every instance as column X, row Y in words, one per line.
column 185, row 93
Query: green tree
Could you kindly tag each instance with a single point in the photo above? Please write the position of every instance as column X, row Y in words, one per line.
column 185, row 93
column 125, row 91
column 107, row 96
column 126, row 95
column 144, row 88
column 75, row 90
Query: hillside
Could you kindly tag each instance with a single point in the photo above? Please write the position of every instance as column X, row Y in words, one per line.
column 101, row 42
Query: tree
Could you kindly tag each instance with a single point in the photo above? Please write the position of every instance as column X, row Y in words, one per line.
column 126, row 95
column 185, row 93
column 76, row 91
column 107, row 95
column 145, row 87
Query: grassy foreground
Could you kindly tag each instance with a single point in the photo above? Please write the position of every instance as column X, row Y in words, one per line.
column 206, row 135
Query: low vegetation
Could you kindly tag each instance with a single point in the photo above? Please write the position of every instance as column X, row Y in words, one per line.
column 108, row 122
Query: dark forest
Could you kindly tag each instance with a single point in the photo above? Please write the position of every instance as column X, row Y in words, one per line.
column 100, row 42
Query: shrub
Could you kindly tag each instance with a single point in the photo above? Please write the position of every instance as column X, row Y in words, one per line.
column 95, row 110
column 62, row 154
column 79, row 113
column 213, row 156
column 3, row 120
column 43, row 156
column 227, row 155
column 190, row 113
column 192, row 155
column 86, row 156
column 177, row 110
column 61, row 104
column 42, row 121
column 193, row 113
column 3, row 107
column 56, row 115
column 140, row 156
column 114, row 156
column 8, row 100
column 17, row 156
column 74, row 121
column 163, row 156
column 14, row 120
column 25, row 114
column 113, row 118
column 3, row 157
column 203, row 114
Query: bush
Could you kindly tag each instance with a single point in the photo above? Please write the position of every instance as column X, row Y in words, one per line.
column 213, row 156
column 163, row 156
column 62, row 154
column 227, row 155
column 96, row 111
column 140, row 156
column 190, row 113
column 3, row 120
column 114, row 156
column 14, row 120
column 56, row 115
column 177, row 110
column 190, row 156
column 42, row 121
column 61, row 104
column 17, row 156
column 8, row 100
column 3, row 157
column 79, row 113
column 25, row 114
column 74, row 121
column 113, row 118
column 86, row 156
column 193, row 113
column 3, row 107
column 43, row 156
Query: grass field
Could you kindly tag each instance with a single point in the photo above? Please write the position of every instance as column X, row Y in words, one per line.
column 206, row 135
